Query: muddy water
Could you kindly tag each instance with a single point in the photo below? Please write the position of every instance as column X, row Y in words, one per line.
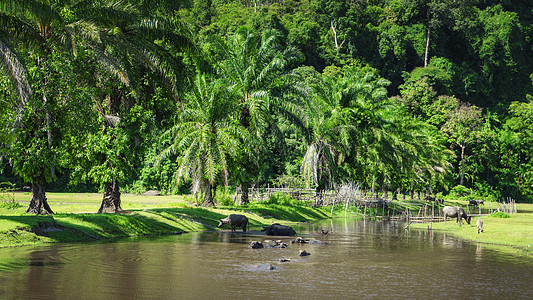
column 362, row 259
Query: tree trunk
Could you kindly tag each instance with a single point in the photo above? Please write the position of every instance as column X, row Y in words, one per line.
column 244, row 193
column 462, row 164
column 385, row 193
column 374, row 187
column 384, row 189
column 427, row 48
column 208, row 196
column 38, row 203
column 111, row 200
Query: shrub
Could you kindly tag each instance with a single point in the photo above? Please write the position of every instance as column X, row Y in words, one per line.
column 9, row 204
column 283, row 199
column 460, row 191
column 225, row 200
column 500, row 214
column 7, row 200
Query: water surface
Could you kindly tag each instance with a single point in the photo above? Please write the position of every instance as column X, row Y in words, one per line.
column 372, row 259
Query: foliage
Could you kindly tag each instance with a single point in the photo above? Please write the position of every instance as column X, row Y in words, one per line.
column 8, row 201
column 395, row 94
column 499, row 214
column 282, row 199
column 460, row 191
column 224, row 200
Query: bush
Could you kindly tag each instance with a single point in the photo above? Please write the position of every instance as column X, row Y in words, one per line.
column 9, row 204
column 224, row 200
column 500, row 214
column 460, row 191
column 7, row 200
column 282, row 199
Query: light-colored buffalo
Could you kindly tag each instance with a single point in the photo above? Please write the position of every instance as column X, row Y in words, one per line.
column 479, row 225
column 456, row 212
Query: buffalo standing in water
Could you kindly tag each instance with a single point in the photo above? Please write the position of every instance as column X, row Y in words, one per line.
column 455, row 212
column 234, row 220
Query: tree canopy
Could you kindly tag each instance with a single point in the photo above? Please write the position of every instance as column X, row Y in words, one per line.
column 187, row 96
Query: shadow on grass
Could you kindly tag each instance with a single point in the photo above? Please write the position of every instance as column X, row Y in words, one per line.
column 31, row 229
column 89, row 227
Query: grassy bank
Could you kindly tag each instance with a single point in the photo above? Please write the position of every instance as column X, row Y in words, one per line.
column 145, row 215
column 75, row 220
column 512, row 233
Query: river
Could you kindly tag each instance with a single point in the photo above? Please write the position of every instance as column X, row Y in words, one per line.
column 363, row 259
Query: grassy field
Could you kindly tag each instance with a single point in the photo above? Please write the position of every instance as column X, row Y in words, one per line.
column 75, row 221
column 512, row 233
column 90, row 202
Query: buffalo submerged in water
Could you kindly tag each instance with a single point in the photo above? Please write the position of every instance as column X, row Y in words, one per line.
column 279, row 230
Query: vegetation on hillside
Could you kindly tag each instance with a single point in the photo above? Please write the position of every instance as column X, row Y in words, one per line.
column 403, row 96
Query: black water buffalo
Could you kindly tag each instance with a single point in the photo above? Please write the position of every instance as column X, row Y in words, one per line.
column 434, row 199
column 278, row 229
column 256, row 245
column 455, row 212
column 476, row 202
column 234, row 220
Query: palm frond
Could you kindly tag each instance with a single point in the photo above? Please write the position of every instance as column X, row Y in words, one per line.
column 10, row 64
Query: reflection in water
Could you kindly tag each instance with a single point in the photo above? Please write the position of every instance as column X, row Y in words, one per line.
column 362, row 259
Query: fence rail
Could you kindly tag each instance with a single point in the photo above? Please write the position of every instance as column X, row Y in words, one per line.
column 322, row 198
column 369, row 206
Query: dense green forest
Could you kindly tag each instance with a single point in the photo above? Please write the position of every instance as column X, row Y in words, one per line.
column 402, row 96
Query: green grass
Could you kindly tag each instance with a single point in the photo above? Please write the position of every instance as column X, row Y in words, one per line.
column 153, row 215
column 90, row 202
column 513, row 234
column 144, row 215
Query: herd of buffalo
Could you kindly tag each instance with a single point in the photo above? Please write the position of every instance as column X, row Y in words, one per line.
column 276, row 229
column 235, row 221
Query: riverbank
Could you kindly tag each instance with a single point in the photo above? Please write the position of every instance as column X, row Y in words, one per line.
column 143, row 216
column 511, row 233
column 163, row 215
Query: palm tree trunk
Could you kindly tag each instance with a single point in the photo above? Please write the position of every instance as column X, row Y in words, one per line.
column 385, row 193
column 244, row 193
column 111, row 200
column 208, row 196
column 38, row 203
column 462, row 164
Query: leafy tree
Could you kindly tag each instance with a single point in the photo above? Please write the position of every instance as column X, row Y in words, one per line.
column 463, row 127
column 39, row 30
column 517, row 140
column 135, row 42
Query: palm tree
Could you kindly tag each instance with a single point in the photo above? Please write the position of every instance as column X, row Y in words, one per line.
column 342, row 120
column 252, row 63
column 323, row 111
column 421, row 158
column 207, row 135
column 122, row 41
column 130, row 45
